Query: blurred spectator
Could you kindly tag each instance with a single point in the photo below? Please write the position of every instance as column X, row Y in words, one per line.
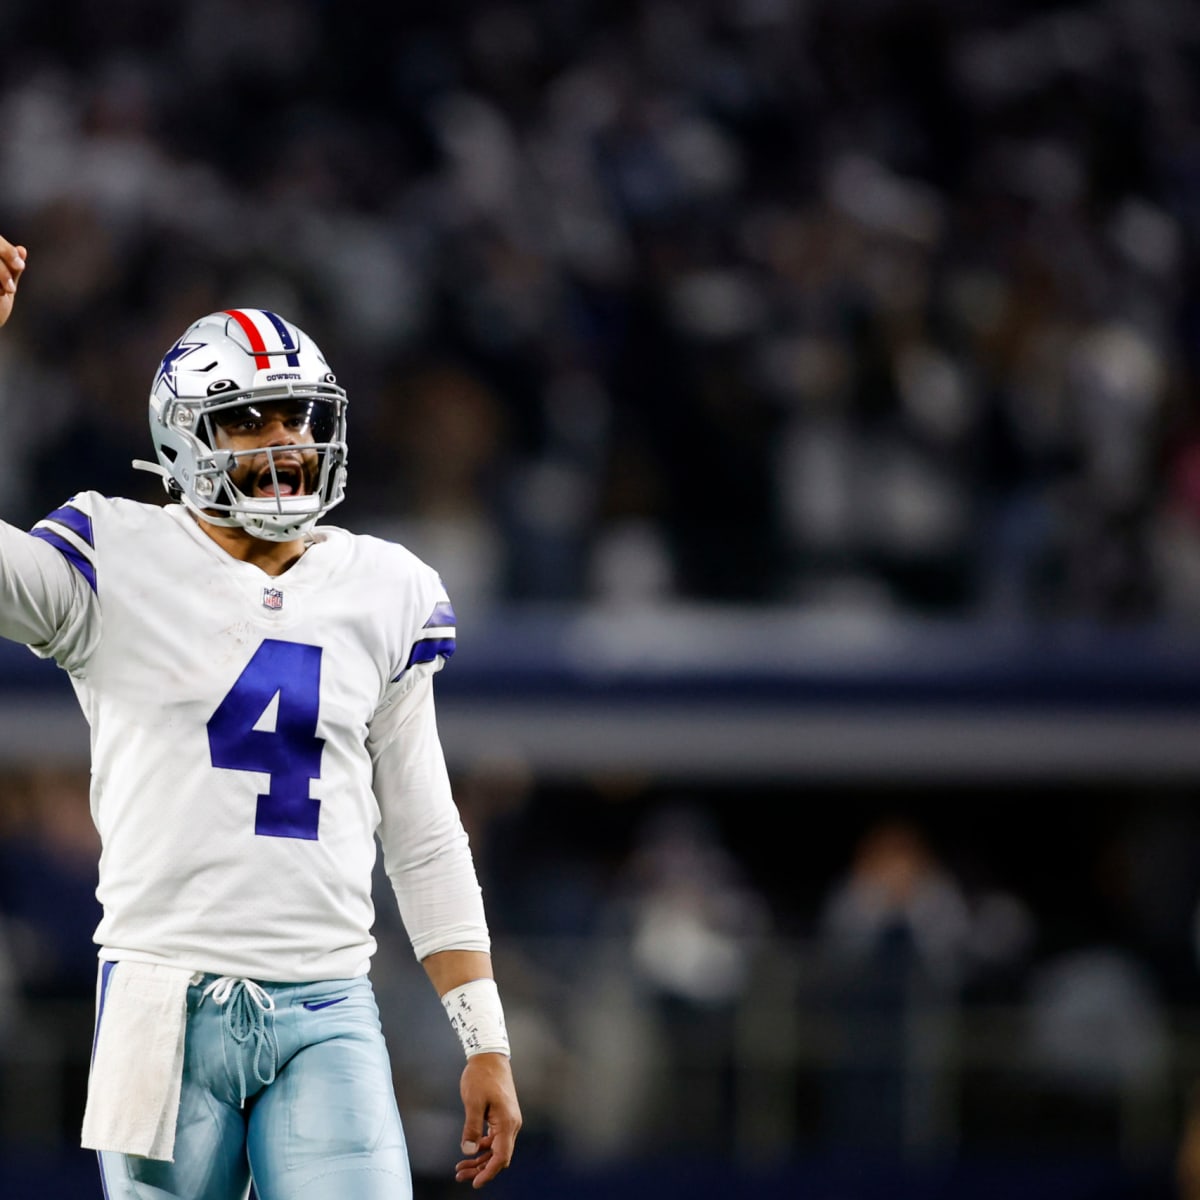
column 695, row 921
column 898, row 892
column 695, row 925
column 1097, row 1025
column 895, row 931
column 900, row 936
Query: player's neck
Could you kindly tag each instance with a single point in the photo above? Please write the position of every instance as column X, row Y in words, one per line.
column 271, row 557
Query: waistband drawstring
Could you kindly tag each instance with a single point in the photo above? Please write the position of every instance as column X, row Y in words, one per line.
column 246, row 1008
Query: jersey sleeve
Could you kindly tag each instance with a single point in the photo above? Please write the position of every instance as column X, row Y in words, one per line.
column 427, row 647
column 49, row 598
column 426, row 852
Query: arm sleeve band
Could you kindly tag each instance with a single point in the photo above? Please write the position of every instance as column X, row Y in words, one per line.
column 477, row 1016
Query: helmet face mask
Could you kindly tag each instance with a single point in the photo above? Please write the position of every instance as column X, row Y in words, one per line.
column 216, row 386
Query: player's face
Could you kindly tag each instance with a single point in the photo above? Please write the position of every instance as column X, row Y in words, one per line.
column 285, row 428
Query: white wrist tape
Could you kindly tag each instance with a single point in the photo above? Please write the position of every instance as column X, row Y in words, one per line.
column 477, row 1017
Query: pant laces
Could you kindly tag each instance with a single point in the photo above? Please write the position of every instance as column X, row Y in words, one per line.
column 246, row 1008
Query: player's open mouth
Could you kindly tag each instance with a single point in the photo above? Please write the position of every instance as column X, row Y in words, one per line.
column 289, row 477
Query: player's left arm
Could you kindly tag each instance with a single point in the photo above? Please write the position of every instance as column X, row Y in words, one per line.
column 429, row 862
column 489, row 1094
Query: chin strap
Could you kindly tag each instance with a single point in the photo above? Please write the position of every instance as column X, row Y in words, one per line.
column 140, row 464
column 173, row 489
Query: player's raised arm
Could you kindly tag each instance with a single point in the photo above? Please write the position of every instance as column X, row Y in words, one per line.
column 42, row 602
column 12, row 267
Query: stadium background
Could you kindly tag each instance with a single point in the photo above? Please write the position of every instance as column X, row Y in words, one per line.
column 798, row 398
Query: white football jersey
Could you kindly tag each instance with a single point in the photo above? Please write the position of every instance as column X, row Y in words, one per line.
column 250, row 736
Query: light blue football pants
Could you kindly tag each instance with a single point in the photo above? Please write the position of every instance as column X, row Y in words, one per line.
column 298, row 1100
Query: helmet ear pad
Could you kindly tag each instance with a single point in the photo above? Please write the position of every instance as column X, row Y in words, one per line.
column 228, row 360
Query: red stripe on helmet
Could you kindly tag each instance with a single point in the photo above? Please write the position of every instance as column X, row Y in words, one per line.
column 261, row 361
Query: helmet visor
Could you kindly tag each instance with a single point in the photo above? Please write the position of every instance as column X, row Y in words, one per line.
column 305, row 418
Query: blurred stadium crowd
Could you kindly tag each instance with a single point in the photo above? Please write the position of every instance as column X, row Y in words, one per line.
column 887, row 303
column 886, row 306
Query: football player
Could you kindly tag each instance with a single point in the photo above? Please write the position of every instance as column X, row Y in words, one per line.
column 259, row 689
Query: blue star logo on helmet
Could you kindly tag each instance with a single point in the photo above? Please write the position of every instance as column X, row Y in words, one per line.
column 166, row 370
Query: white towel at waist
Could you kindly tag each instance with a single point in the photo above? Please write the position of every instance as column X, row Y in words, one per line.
column 137, row 1065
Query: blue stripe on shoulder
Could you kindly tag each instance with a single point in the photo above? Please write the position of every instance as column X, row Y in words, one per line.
column 426, row 650
column 442, row 615
column 73, row 555
column 77, row 521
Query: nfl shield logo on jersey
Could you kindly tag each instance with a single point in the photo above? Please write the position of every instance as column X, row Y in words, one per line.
column 272, row 598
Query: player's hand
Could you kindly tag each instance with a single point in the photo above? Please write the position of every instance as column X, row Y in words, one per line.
column 12, row 267
column 493, row 1118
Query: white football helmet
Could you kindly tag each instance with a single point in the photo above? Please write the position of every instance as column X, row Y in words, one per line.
column 236, row 360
